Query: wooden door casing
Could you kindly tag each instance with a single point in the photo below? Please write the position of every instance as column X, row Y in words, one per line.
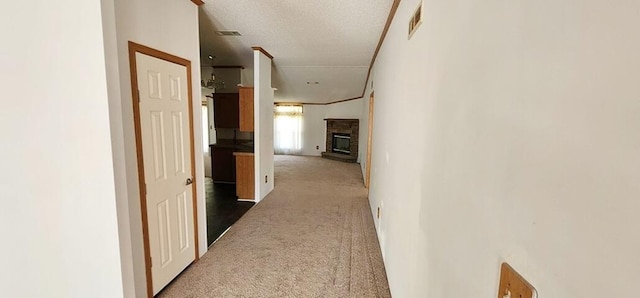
column 134, row 49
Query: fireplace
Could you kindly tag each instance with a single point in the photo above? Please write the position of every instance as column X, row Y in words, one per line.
column 341, row 143
column 342, row 139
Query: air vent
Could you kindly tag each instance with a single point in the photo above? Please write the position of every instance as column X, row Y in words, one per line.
column 228, row 33
column 416, row 20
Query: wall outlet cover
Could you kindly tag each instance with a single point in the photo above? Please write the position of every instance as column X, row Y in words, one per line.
column 513, row 285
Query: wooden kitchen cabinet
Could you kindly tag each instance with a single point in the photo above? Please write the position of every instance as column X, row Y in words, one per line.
column 223, row 168
column 246, row 108
column 226, row 110
column 245, row 170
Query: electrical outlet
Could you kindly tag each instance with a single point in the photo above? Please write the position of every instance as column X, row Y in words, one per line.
column 513, row 285
column 317, row 147
column 266, row 180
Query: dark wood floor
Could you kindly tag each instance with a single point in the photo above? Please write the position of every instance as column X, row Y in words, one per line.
column 223, row 208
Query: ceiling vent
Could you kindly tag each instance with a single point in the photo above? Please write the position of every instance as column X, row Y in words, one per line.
column 416, row 20
column 228, row 33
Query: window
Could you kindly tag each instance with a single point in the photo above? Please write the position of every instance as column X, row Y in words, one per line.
column 287, row 129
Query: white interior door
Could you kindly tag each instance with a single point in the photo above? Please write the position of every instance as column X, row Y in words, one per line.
column 166, row 150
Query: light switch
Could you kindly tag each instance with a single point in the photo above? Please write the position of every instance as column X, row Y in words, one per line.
column 513, row 285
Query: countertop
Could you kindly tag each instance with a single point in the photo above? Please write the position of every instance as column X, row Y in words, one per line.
column 240, row 153
column 239, row 145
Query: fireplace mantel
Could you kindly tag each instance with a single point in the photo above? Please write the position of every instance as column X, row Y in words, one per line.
column 342, row 126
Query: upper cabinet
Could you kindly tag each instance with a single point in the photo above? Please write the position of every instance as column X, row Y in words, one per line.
column 226, row 110
column 246, row 108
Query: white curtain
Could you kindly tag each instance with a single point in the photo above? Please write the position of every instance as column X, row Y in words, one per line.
column 287, row 129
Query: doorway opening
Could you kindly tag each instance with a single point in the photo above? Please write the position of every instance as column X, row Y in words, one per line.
column 225, row 169
column 367, row 179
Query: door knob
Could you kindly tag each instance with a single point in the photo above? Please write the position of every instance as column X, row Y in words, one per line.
column 189, row 181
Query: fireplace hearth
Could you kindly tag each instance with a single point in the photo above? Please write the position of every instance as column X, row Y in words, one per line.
column 342, row 139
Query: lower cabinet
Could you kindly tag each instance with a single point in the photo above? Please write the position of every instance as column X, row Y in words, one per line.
column 223, row 165
column 245, row 173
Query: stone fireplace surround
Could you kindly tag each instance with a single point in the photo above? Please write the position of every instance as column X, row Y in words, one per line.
column 342, row 126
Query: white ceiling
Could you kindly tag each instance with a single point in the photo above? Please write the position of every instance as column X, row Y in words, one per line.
column 329, row 41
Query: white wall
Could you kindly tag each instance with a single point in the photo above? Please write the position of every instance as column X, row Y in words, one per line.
column 349, row 109
column 314, row 127
column 524, row 148
column 247, row 76
column 119, row 168
column 263, row 141
column 58, row 218
column 172, row 27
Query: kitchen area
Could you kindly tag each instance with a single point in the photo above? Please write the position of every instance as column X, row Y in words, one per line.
column 232, row 153
column 230, row 167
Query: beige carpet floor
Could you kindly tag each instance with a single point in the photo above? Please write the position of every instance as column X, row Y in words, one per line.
column 313, row 236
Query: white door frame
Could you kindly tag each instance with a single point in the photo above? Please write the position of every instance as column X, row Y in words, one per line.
column 133, row 49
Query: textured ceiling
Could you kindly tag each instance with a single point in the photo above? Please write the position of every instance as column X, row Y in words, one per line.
column 330, row 42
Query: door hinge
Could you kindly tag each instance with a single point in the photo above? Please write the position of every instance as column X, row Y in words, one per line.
column 145, row 189
column 138, row 95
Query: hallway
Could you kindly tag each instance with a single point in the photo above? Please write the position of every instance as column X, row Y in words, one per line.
column 313, row 236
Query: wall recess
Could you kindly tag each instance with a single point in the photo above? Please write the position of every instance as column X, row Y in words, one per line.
column 416, row 20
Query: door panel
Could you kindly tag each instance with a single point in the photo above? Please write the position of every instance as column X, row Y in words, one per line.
column 164, row 232
column 158, row 145
column 176, row 87
column 183, row 223
column 166, row 151
column 178, row 142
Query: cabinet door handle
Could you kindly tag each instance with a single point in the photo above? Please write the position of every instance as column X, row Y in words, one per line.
column 189, row 181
